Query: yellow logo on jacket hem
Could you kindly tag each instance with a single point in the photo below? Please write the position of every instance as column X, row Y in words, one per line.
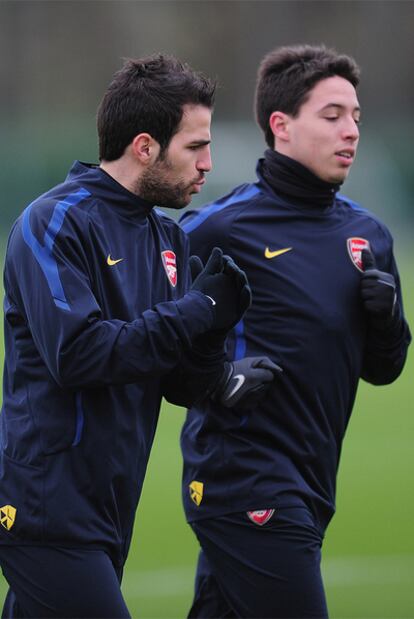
column 196, row 491
column 7, row 516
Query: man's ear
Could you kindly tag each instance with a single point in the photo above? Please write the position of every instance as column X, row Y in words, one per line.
column 145, row 149
column 279, row 124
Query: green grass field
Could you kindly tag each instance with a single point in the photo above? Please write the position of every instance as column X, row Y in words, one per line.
column 368, row 554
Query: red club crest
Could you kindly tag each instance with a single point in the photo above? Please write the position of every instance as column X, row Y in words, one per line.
column 261, row 516
column 170, row 266
column 355, row 246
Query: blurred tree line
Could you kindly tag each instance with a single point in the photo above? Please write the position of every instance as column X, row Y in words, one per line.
column 57, row 57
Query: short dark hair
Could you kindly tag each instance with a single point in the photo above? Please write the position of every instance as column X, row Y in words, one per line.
column 286, row 76
column 148, row 95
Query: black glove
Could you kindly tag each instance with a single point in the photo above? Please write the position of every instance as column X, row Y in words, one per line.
column 196, row 266
column 377, row 290
column 245, row 382
column 225, row 284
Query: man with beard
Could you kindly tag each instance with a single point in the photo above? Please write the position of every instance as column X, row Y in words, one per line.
column 101, row 321
column 322, row 309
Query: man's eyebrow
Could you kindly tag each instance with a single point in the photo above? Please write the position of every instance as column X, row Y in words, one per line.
column 339, row 106
column 199, row 142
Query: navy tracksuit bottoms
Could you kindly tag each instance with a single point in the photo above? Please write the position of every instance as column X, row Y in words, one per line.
column 259, row 570
column 61, row 582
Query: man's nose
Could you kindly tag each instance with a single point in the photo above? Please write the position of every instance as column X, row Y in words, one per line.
column 204, row 163
column 351, row 130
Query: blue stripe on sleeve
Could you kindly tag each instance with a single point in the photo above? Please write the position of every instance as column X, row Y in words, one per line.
column 79, row 420
column 246, row 193
column 44, row 253
column 240, row 341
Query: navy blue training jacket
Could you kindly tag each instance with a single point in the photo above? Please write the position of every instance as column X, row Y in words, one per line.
column 307, row 316
column 97, row 317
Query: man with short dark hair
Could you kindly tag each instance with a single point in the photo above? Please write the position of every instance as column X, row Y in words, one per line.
column 327, row 307
column 101, row 321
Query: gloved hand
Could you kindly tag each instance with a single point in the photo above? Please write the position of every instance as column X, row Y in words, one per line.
column 245, row 382
column 377, row 289
column 226, row 286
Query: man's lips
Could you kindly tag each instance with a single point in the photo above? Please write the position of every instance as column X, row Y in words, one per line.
column 346, row 156
column 199, row 183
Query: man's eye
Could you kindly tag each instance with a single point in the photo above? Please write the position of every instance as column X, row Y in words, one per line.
column 331, row 118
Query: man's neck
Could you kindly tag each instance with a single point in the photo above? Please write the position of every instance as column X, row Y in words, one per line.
column 122, row 172
column 295, row 182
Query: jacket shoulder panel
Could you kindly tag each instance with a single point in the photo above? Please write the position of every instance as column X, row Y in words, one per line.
column 40, row 224
column 242, row 194
column 358, row 210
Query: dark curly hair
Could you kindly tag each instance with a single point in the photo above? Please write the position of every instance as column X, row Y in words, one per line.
column 286, row 76
column 148, row 95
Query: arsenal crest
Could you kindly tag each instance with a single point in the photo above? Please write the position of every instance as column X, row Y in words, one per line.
column 170, row 266
column 355, row 246
column 261, row 516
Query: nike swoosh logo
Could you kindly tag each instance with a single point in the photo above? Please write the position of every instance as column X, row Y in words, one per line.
column 111, row 262
column 272, row 254
column 240, row 381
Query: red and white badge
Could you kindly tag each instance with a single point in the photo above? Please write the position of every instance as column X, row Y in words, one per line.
column 261, row 516
column 355, row 247
column 170, row 266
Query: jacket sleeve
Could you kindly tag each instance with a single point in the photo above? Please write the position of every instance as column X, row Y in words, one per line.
column 48, row 286
column 387, row 345
column 198, row 371
column 201, row 367
column 196, row 376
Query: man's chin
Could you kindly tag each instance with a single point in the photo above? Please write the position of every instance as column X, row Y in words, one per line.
column 177, row 205
column 337, row 179
column 342, row 175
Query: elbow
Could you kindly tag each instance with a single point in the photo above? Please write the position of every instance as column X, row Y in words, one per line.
column 65, row 378
column 380, row 380
column 72, row 372
column 382, row 373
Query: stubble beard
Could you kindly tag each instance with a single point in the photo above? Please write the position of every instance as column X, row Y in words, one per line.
column 154, row 187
